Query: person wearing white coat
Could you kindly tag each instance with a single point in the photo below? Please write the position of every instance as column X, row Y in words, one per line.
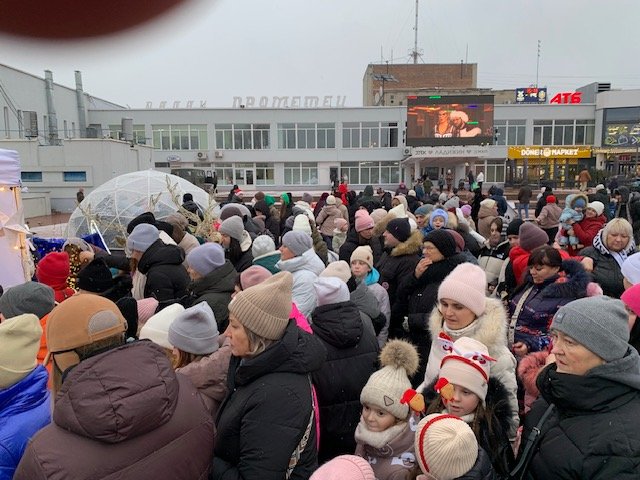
column 465, row 311
column 298, row 257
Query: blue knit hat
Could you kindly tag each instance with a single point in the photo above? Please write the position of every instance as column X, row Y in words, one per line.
column 438, row 212
column 205, row 258
column 142, row 237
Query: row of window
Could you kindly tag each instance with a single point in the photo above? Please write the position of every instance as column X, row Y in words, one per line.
column 546, row 132
column 305, row 173
column 256, row 136
column 66, row 176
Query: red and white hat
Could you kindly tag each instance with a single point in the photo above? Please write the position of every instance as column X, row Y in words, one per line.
column 466, row 364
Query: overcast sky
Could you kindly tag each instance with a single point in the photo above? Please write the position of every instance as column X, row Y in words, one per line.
column 214, row 50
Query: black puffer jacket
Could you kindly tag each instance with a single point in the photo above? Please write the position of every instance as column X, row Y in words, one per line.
column 416, row 298
column 267, row 411
column 594, row 431
column 216, row 289
column 397, row 263
column 354, row 241
column 167, row 279
column 352, row 356
column 482, row 469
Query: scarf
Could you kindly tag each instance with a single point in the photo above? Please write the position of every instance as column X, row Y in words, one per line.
column 620, row 256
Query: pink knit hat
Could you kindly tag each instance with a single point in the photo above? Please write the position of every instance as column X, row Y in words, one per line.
column 341, row 225
column 363, row 220
column 345, row 467
column 253, row 275
column 146, row 309
column 466, row 284
column 631, row 298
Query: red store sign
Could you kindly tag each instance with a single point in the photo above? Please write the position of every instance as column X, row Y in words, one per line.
column 567, row 97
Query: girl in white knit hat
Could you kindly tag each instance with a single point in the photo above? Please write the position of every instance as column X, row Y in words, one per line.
column 385, row 434
column 465, row 390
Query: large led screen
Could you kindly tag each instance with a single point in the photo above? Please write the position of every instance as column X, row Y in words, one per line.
column 450, row 120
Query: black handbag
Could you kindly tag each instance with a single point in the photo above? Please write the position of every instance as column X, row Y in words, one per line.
column 521, row 470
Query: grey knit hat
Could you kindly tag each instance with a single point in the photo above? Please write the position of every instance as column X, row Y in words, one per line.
column 264, row 308
column 262, row 245
column 205, row 258
column 233, row 227
column 297, row 241
column 30, row 297
column 598, row 323
column 195, row 330
column 142, row 237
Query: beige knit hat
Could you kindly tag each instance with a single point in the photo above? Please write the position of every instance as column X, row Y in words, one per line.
column 20, row 341
column 339, row 269
column 385, row 388
column 364, row 254
column 264, row 308
column 466, row 284
column 446, row 447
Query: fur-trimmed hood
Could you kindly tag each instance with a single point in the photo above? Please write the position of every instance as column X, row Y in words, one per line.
column 410, row 246
column 490, row 327
column 570, row 201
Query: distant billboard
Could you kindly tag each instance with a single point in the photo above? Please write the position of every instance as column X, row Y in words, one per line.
column 531, row 95
column 622, row 135
column 450, row 120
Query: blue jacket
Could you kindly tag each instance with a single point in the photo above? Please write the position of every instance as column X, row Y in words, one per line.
column 25, row 408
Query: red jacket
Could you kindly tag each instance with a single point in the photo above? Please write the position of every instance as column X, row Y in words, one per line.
column 586, row 230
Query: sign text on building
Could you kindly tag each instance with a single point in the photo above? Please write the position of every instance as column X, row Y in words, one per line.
column 567, row 97
column 297, row 101
column 549, row 152
column 451, row 151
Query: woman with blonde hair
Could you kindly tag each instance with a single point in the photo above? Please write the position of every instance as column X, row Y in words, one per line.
column 604, row 259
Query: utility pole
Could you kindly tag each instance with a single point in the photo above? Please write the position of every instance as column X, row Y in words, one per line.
column 538, row 62
column 415, row 54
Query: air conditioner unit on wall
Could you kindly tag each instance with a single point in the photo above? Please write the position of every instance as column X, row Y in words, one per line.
column 406, row 151
column 218, row 154
column 202, row 156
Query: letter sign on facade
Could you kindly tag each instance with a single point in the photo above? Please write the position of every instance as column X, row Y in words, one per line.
column 567, row 97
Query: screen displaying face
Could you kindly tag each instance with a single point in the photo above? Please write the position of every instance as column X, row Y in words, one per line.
column 450, row 120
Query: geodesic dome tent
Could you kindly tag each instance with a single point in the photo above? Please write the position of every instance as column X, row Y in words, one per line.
column 111, row 206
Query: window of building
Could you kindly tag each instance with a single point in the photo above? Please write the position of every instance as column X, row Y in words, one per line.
column 542, row 132
column 225, row 175
column 365, row 173
column 563, row 132
column 304, row 173
column 7, row 130
column 515, row 132
column 265, row 174
column 180, row 137
column 585, row 132
column 73, row 130
column 161, row 164
column 369, row 134
column 241, row 136
column 31, row 176
column 74, row 176
column 501, row 132
column 306, row 135
column 495, row 171
column 139, row 135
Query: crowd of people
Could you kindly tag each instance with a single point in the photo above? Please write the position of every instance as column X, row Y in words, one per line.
column 416, row 334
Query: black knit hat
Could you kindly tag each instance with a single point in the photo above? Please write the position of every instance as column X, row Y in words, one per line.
column 443, row 241
column 399, row 228
column 95, row 277
column 146, row 217
column 514, row 226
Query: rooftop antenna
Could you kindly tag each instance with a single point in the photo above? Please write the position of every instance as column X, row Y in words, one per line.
column 538, row 61
column 415, row 54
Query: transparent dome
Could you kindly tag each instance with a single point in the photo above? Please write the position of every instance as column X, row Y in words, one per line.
column 115, row 203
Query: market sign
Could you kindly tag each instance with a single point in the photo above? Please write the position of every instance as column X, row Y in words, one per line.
column 531, row 95
column 450, row 151
column 567, row 97
column 550, row 152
